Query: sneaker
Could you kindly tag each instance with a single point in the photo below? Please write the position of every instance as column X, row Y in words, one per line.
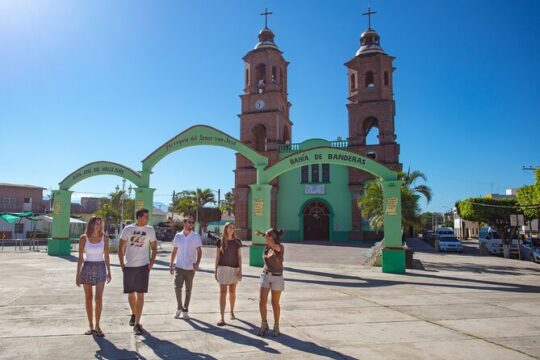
column 137, row 329
column 132, row 320
column 177, row 314
column 185, row 315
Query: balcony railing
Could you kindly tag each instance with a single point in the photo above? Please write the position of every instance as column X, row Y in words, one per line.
column 296, row 147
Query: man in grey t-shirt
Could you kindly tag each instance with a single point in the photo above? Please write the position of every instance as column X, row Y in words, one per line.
column 135, row 241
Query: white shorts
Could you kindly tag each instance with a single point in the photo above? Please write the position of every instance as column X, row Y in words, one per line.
column 227, row 275
column 272, row 282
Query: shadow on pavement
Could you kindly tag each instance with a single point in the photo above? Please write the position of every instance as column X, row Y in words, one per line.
column 165, row 349
column 109, row 351
column 408, row 278
column 294, row 343
column 231, row 336
column 70, row 258
column 355, row 244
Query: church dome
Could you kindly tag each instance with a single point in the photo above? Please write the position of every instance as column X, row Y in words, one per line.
column 266, row 39
column 369, row 43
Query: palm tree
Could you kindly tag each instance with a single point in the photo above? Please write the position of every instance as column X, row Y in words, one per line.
column 204, row 196
column 228, row 204
column 189, row 201
column 371, row 202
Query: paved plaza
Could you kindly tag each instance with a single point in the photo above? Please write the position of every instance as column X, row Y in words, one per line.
column 453, row 306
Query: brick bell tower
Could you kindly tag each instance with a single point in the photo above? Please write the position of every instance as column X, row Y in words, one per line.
column 371, row 106
column 264, row 120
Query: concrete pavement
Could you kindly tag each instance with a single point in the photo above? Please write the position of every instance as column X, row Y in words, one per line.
column 460, row 306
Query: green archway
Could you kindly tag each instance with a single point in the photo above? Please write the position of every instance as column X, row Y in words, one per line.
column 60, row 243
column 202, row 135
column 393, row 254
column 393, row 258
column 100, row 168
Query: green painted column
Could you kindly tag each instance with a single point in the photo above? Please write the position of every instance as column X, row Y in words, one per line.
column 60, row 244
column 144, row 198
column 260, row 220
column 393, row 256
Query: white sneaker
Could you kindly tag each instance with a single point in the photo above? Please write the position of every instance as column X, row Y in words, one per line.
column 177, row 314
column 185, row 315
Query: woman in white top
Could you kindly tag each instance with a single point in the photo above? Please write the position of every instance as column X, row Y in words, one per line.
column 96, row 269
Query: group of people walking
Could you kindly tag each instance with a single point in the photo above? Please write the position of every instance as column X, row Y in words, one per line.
column 137, row 252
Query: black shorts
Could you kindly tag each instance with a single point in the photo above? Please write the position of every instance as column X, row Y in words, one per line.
column 136, row 279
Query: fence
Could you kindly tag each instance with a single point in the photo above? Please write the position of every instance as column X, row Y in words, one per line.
column 28, row 245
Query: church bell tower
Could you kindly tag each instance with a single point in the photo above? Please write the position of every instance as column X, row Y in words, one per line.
column 264, row 119
column 371, row 107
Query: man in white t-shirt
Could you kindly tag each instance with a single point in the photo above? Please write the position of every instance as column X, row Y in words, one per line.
column 135, row 241
column 187, row 254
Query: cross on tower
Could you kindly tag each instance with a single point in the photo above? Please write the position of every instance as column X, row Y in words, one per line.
column 369, row 13
column 266, row 13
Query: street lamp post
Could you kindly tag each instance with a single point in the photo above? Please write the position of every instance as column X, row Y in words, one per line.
column 123, row 198
column 218, row 191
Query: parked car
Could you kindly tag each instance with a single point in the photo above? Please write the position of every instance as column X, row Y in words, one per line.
column 490, row 239
column 530, row 250
column 443, row 231
column 450, row 243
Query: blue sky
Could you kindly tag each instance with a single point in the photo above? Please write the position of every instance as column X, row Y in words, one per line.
column 82, row 81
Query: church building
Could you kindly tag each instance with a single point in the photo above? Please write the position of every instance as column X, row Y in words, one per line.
column 316, row 202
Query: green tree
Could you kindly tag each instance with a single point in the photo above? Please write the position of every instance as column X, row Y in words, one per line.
column 528, row 197
column 371, row 202
column 189, row 201
column 185, row 203
column 493, row 212
column 108, row 213
column 228, row 203
column 429, row 220
column 110, row 208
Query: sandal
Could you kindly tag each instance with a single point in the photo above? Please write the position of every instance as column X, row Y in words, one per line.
column 221, row 323
column 263, row 329
column 99, row 333
column 232, row 316
column 89, row 332
column 275, row 332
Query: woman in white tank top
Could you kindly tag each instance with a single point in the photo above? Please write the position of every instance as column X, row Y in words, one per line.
column 96, row 269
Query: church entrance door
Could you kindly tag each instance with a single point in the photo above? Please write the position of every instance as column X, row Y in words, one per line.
column 316, row 221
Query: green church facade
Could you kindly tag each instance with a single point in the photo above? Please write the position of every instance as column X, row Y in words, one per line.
column 296, row 195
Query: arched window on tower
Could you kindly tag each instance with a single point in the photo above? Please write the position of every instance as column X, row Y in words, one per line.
column 281, row 80
column 386, row 78
column 371, row 130
column 370, row 79
column 259, row 138
column 274, row 75
column 286, row 135
column 247, row 77
column 260, row 77
column 353, row 82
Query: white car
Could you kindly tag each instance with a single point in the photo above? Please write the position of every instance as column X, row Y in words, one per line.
column 450, row 243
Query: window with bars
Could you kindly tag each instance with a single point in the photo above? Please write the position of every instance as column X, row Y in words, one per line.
column 315, row 174
column 305, row 174
column 325, row 173
column 19, row 228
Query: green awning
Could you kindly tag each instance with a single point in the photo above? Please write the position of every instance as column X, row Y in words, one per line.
column 13, row 218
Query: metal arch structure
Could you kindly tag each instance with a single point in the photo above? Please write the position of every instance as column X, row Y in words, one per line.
column 393, row 258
